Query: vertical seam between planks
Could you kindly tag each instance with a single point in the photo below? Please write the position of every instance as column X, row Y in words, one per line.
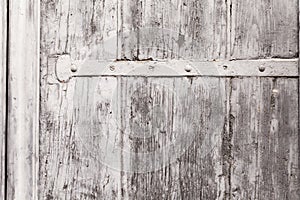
column 230, row 135
column 37, row 117
column 298, row 90
column 228, row 28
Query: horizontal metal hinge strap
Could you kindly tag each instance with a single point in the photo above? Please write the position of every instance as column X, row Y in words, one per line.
column 64, row 68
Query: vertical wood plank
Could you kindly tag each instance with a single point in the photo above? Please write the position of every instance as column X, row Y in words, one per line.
column 188, row 29
column 262, row 29
column 3, row 54
column 74, row 125
column 265, row 162
column 177, row 110
column 82, row 28
column 23, row 99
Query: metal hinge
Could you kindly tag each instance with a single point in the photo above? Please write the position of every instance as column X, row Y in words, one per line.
column 61, row 68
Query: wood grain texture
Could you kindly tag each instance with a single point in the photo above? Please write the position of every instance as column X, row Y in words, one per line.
column 265, row 141
column 203, row 30
column 126, row 29
column 260, row 29
column 23, row 100
column 172, row 29
column 3, row 54
column 72, row 118
column 124, row 138
column 245, row 145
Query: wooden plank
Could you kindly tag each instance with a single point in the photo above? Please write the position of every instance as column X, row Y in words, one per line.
column 265, row 141
column 172, row 29
column 263, row 29
column 79, row 28
column 23, row 99
column 133, row 138
column 3, row 54
column 185, row 114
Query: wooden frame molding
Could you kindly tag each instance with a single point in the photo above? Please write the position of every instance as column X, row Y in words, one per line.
column 23, row 98
column 3, row 62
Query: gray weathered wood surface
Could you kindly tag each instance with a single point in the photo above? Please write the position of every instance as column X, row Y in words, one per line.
column 261, row 29
column 265, row 144
column 246, row 137
column 245, row 143
column 3, row 36
column 204, row 30
column 98, row 116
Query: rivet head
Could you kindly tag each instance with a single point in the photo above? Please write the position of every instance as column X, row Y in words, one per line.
column 188, row 68
column 225, row 67
column 74, row 68
column 262, row 68
column 151, row 67
column 112, row 68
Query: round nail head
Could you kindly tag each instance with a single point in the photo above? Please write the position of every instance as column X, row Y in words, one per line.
column 74, row 68
column 262, row 68
column 188, row 68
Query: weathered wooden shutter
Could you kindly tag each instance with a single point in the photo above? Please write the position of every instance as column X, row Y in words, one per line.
column 126, row 99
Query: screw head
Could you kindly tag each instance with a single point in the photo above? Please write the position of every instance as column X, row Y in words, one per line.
column 262, row 68
column 188, row 68
column 74, row 68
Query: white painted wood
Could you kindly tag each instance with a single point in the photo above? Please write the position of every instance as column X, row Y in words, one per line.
column 208, row 30
column 23, row 98
column 113, row 138
column 3, row 54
